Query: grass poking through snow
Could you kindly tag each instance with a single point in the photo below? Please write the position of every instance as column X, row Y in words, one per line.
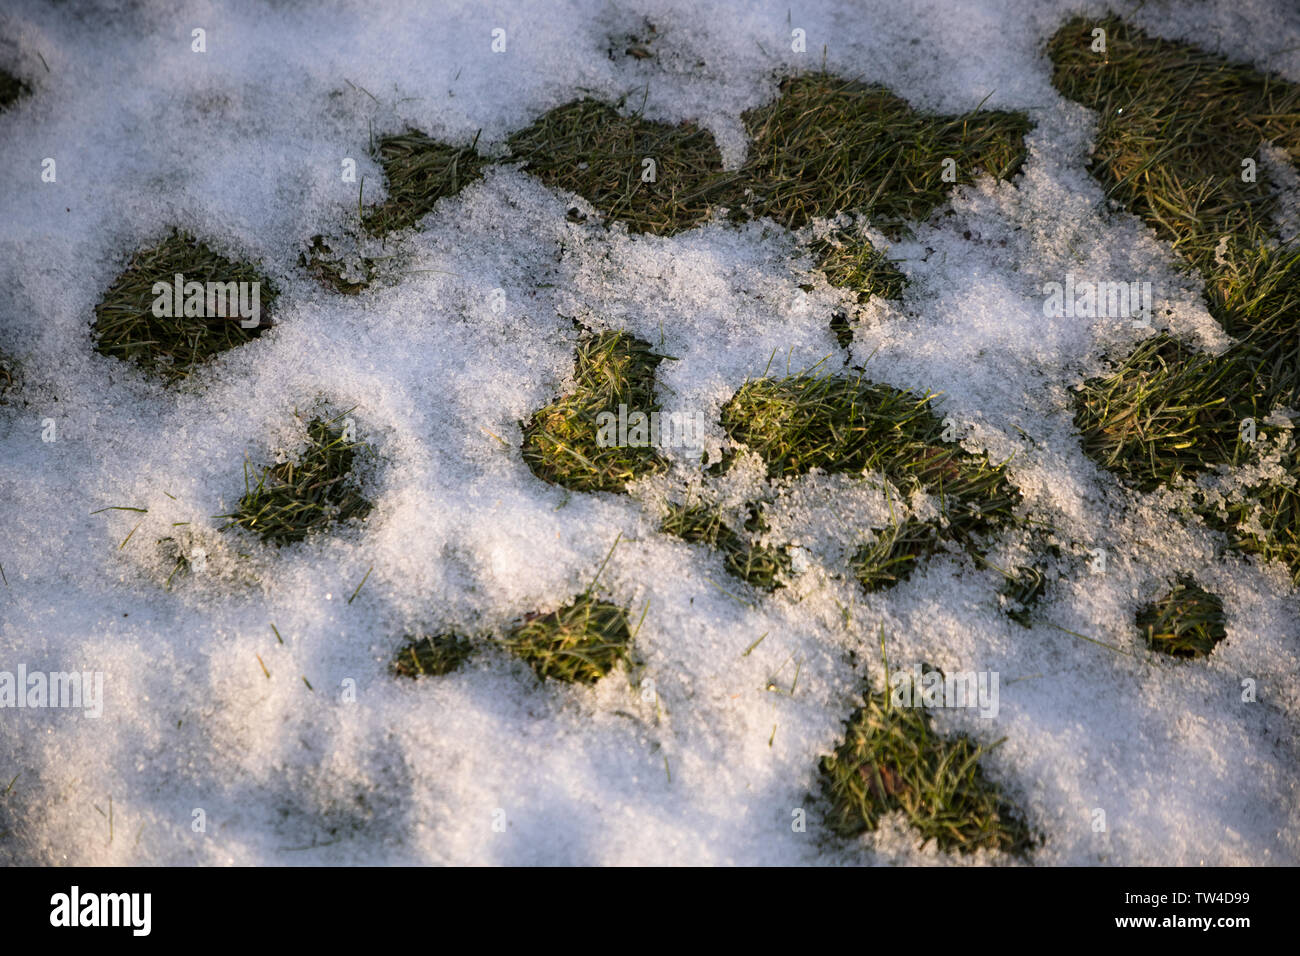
column 1187, row 622
column 561, row 442
column 347, row 275
column 1176, row 126
column 891, row 759
column 1021, row 591
column 432, row 655
column 306, row 494
column 852, row 262
column 600, row 153
column 579, row 643
column 8, row 375
column 419, row 171
column 805, row 422
column 828, row 145
column 755, row 564
column 894, row 554
column 125, row 326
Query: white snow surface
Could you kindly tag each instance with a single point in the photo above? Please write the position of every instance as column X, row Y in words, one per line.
column 242, row 145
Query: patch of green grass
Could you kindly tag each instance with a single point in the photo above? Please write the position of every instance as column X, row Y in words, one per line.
column 852, row 262
column 11, row 88
column 562, row 441
column 580, row 643
column 894, row 554
column 827, row 145
column 755, row 564
column 1265, row 520
column 1175, row 124
column 171, row 347
column 345, row 275
column 596, row 151
column 1187, row 622
column 802, row 422
column 891, row 759
column 419, row 170
column 1167, row 411
column 307, row 494
column 432, row 655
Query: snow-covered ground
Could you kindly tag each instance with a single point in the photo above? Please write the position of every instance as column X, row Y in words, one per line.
column 242, row 145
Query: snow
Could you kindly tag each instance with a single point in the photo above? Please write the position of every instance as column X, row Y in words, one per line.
column 242, row 144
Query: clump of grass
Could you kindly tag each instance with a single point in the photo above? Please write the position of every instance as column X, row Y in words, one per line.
column 432, row 655
column 561, row 443
column 11, row 88
column 1265, row 520
column 345, row 275
column 419, row 170
column 171, row 347
column 1255, row 295
column 1187, row 622
column 802, row 422
column 596, row 151
column 891, row 759
column 852, row 262
column 827, row 145
column 579, row 643
column 1168, row 410
column 305, row 495
column 1174, row 126
column 755, row 564
column 894, row 554
column 1021, row 590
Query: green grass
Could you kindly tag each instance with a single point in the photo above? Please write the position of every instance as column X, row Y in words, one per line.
column 1167, row 411
column 894, row 554
column 305, row 495
column 598, row 152
column 418, row 170
column 758, row 565
column 432, row 655
column 828, row 145
column 560, row 442
column 125, row 327
column 851, row 262
column 1174, row 125
column 891, row 759
column 804, row 422
column 345, row 275
column 11, row 88
column 580, row 643
column 801, row 422
column 1187, row 622
column 1265, row 519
